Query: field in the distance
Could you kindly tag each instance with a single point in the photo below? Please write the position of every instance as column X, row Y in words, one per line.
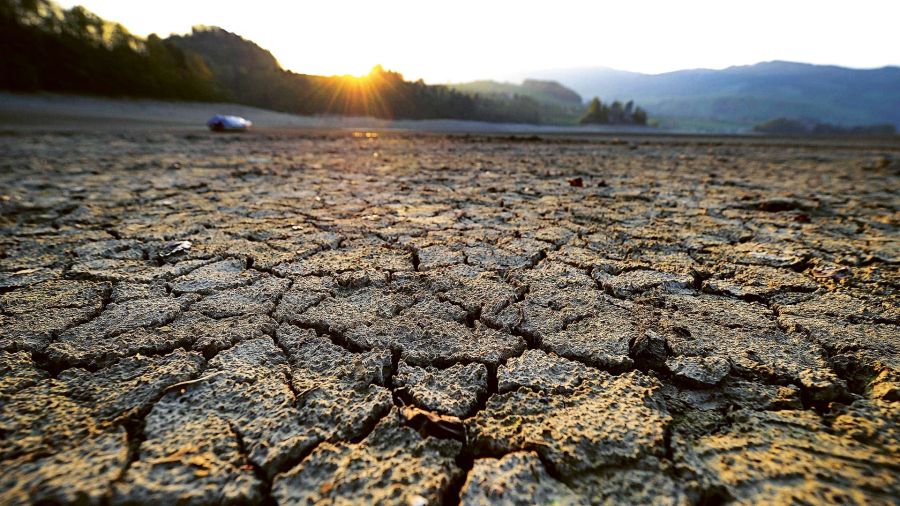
column 417, row 319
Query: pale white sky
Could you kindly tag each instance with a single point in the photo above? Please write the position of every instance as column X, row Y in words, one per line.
column 461, row 40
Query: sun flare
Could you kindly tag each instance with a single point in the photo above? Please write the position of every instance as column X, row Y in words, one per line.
column 468, row 39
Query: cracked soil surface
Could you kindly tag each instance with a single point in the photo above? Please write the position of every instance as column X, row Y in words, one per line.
column 411, row 319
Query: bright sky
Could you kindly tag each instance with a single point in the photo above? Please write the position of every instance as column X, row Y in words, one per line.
column 461, row 40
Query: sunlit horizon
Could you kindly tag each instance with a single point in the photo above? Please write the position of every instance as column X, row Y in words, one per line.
column 469, row 40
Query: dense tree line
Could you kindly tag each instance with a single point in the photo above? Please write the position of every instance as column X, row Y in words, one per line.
column 613, row 114
column 44, row 47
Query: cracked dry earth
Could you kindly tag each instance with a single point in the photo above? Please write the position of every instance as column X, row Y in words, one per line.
column 424, row 320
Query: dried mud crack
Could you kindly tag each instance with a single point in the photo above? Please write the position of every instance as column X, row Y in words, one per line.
column 287, row 319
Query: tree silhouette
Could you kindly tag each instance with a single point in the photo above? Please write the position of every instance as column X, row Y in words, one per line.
column 47, row 48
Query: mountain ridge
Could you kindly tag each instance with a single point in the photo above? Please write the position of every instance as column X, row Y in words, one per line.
column 745, row 95
column 538, row 73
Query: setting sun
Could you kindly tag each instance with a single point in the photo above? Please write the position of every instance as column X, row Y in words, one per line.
column 468, row 39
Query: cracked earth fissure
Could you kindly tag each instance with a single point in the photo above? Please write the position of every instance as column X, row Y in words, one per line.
column 694, row 310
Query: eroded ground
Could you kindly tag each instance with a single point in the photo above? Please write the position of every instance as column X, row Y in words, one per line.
column 345, row 319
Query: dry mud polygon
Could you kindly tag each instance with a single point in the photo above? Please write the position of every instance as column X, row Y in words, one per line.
column 410, row 319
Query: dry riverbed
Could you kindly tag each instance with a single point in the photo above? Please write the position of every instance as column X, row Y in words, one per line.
column 421, row 319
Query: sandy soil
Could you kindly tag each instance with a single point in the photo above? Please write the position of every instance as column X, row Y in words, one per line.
column 351, row 318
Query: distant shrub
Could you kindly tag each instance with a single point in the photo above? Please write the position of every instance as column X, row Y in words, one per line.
column 599, row 113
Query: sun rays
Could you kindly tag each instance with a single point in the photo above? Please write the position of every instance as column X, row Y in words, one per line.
column 369, row 95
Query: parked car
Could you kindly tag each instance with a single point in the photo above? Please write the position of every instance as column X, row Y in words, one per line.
column 222, row 123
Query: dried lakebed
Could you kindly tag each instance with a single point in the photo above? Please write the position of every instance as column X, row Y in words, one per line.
column 338, row 319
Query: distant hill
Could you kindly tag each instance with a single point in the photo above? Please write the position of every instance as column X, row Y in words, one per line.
column 46, row 48
column 744, row 96
column 250, row 75
column 555, row 102
column 549, row 100
column 550, row 92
